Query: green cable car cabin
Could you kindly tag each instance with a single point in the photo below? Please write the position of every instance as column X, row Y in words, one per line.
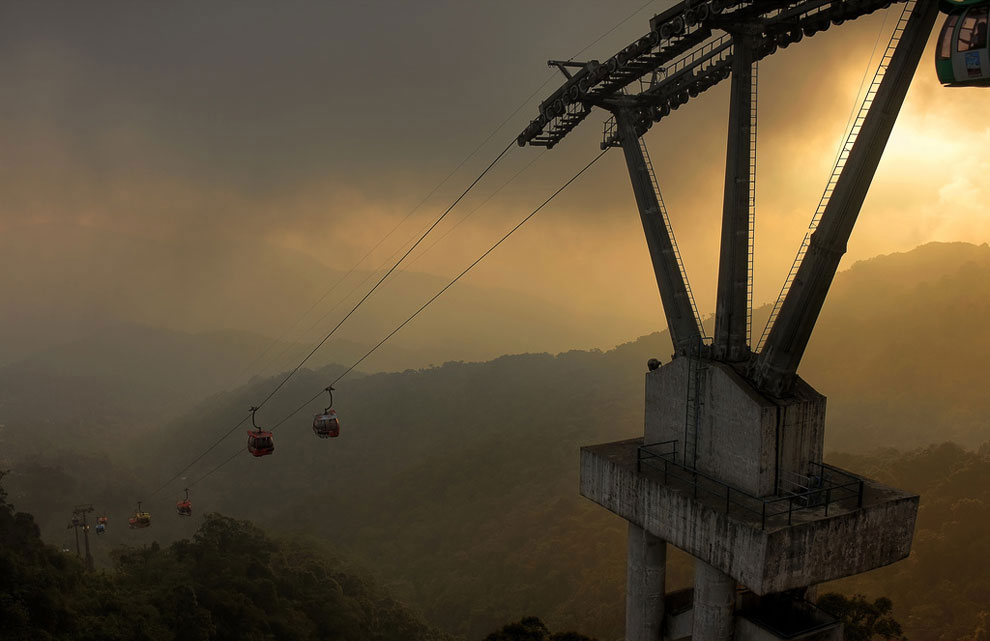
column 962, row 58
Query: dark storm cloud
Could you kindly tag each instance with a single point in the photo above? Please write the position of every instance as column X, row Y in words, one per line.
column 195, row 115
column 213, row 131
column 262, row 96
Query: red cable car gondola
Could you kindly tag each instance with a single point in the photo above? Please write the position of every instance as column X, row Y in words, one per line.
column 101, row 524
column 184, row 507
column 260, row 442
column 326, row 425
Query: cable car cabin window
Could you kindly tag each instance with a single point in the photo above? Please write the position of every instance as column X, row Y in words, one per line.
column 945, row 39
column 973, row 30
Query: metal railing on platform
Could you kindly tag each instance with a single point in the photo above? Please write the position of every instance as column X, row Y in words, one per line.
column 826, row 486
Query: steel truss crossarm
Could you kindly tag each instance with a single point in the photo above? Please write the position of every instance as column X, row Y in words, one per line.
column 682, row 320
column 774, row 369
column 732, row 300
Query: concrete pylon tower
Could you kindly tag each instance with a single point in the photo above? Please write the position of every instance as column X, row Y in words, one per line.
column 729, row 468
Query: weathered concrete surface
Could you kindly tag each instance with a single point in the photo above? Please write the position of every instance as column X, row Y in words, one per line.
column 814, row 549
column 714, row 603
column 743, row 438
column 646, row 569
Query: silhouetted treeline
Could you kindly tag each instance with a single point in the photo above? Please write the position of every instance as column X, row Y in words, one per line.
column 532, row 629
column 230, row 582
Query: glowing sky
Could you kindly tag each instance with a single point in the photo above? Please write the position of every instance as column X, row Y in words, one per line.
column 210, row 129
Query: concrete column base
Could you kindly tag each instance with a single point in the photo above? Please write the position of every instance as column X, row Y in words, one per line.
column 714, row 604
column 647, row 571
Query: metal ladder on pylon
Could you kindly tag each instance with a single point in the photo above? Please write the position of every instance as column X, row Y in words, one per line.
column 670, row 233
column 754, row 85
column 840, row 162
column 694, row 402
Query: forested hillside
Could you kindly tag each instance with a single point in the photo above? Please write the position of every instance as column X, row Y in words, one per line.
column 457, row 485
column 901, row 349
column 230, row 582
column 942, row 591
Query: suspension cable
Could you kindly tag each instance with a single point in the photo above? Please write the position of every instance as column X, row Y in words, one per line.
column 446, row 287
column 387, row 274
column 327, row 337
column 425, row 251
column 200, row 457
column 491, row 135
column 240, row 450
column 480, row 205
column 433, row 191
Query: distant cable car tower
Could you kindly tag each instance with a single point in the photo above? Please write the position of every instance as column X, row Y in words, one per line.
column 730, row 469
column 77, row 523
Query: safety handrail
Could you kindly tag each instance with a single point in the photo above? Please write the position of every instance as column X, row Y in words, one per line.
column 824, row 496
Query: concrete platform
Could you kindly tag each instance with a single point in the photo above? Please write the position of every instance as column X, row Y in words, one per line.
column 765, row 557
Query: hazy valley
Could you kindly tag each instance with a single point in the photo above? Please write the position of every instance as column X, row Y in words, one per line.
column 456, row 485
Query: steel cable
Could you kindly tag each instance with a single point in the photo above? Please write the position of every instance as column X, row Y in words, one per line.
column 446, row 287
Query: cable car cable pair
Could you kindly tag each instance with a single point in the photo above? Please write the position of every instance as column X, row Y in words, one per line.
column 260, row 442
column 448, row 285
column 258, row 432
column 395, row 266
column 471, row 186
column 400, row 326
column 441, row 184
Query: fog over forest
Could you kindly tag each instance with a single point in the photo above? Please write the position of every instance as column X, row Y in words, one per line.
column 455, row 485
column 210, row 207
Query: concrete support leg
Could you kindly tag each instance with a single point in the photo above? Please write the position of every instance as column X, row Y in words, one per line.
column 647, row 571
column 714, row 603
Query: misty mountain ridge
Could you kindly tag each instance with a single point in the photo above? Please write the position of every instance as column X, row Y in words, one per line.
column 474, row 464
column 63, row 290
column 902, row 325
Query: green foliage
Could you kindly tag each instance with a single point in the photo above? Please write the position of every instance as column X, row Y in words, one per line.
column 942, row 590
column 861, row 619
column 34, row 578
column 231, row 582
